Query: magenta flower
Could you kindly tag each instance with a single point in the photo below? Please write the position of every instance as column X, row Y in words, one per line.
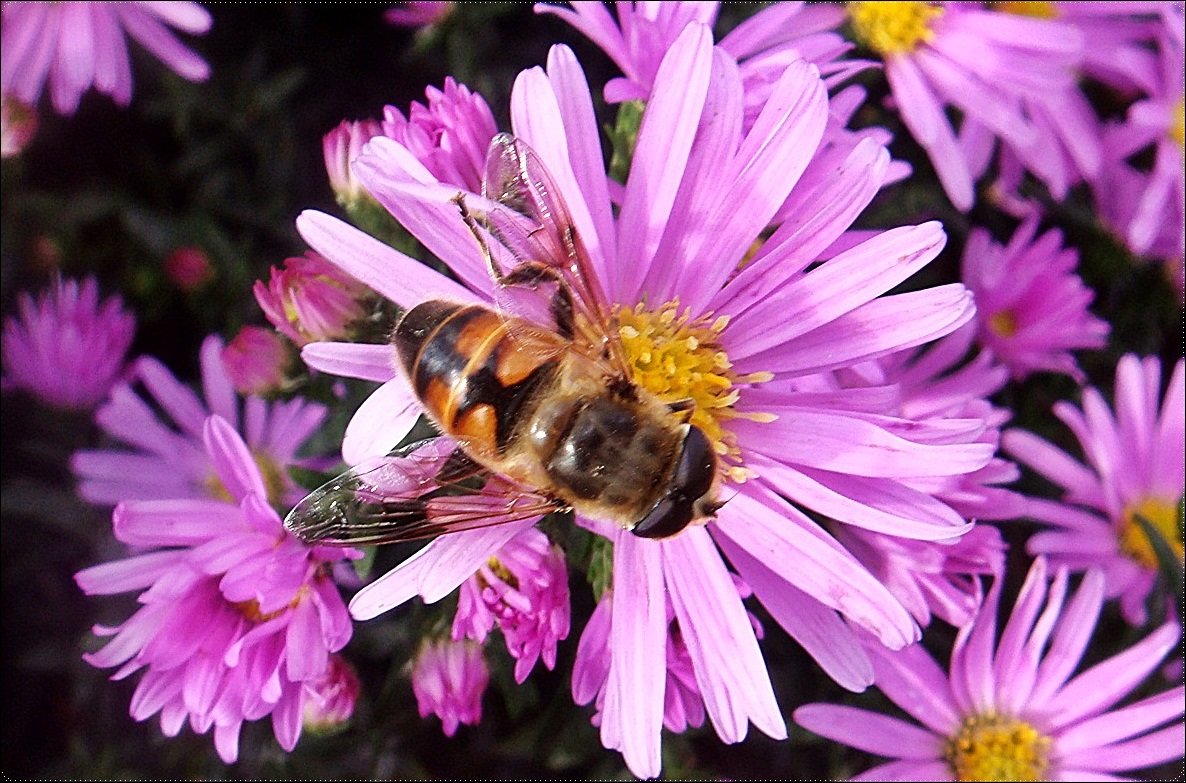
column 740, row 344
column 257, row 361
column 449, row 134
column 189, row 269
column 418, row 13
column 18, row 125
column 237, row 616
column 1155, row 224
column 77, row 46
column 1011, row 710
column 523, row 590
column 340, row 147
column 1135, row 466
column 986, row 64
column 329, row 700
column 1031, row 307
column 67, row 348
column 163, row 456
column 311, row 299
column 449, row 679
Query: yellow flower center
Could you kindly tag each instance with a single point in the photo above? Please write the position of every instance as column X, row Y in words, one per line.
column 1003, row 323
column 275, row 480
column 994, row 747
column 501, row 571
column 1038, row 10
column 1177, row 129
column 1162, row 514
column 893, row 27
column 680, row 359
column 250, row 609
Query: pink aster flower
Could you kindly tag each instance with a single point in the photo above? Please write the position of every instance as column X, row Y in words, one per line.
column 523, row 590
column 237, row 617
column 986, row 64
column 418, row 13
column 340, row 147
column 1011, row 710
column 1135, row 466
column 67, row 347
column 162, row 455
column 311, row 299
column 18, row 125
column 449, row 679
column 1031, row 307
column 1155, row 225
column 698, row 196
column 329, row 700
column 257, row 360
column 79, row 45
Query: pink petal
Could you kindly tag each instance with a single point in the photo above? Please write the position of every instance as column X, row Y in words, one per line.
column 870, row 731
column 232, row 459
column 382, row 422
column 352, row 360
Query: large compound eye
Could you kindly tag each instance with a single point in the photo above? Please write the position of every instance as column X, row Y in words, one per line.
column 692, row 480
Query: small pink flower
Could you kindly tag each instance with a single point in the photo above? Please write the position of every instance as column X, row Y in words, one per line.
column 236, row 616
column 340, row 147
column 523, row 590
column 449, row 679
column 329, row 700
column 1031, row 306
column 67, row 347
column 159, row 422
column 1011, row 709
column 79, row 45
column 257, row 360
column 189, row 268
column 18, row 124
column 1135, row 466
column 310, row 299
column 418, row 13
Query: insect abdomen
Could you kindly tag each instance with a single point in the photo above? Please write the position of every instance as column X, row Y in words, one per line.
column 472, row 374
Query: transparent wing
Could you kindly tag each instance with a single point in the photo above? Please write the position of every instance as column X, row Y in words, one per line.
column 538, row 247
column 429, row 489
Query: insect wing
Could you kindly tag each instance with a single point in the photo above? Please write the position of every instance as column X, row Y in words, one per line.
column 428, row 490
column 536, row 227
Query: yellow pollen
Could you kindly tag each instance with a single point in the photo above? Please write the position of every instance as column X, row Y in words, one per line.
column 501, row 571
column 250, row 609
column 1003, row 323
column 1177, row 129
column 679, row 358
column 994, row 747
column 1037, row 10
column 273, row 475
column 893, row 27
column 1162, row 514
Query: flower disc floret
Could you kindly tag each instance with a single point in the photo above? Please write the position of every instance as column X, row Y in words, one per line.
column 1162, row 514
column 1177, row 129
column 893, row 27
column 996, row 747
column 678, row 357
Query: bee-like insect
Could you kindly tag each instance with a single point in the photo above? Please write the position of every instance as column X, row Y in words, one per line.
column 534, row 396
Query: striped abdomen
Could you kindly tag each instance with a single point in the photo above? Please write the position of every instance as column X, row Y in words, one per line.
column 472, row 374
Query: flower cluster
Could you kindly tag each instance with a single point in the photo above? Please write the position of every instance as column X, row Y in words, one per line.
column 672, row 370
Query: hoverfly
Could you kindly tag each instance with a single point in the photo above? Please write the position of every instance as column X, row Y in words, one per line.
column 538, row 411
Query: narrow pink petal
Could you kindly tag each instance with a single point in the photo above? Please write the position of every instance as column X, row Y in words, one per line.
column 221, row 398
column 73, row 67
column 188, row 17
column 972, row 679
column 177, row 400
column 726, row 659
column 874, row 329
column 821, row 632
column 632, row 716
column 174, row 522
column 1104, row 684
column 1070, row 640
column 382, row 422
column 1050, row 461
column 913, row 681
column 122, row 576
column 664, row 141
column 596, row 24
column 232, row 459
column 307, row 656
column 286, row 718
column 870, row 731
column 793, row 546
column 402, row 279
column 910, row 771
column 226, row 741
column 1154, row 748
column 158, row 39
column 1121, row 724
column 352, row 360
